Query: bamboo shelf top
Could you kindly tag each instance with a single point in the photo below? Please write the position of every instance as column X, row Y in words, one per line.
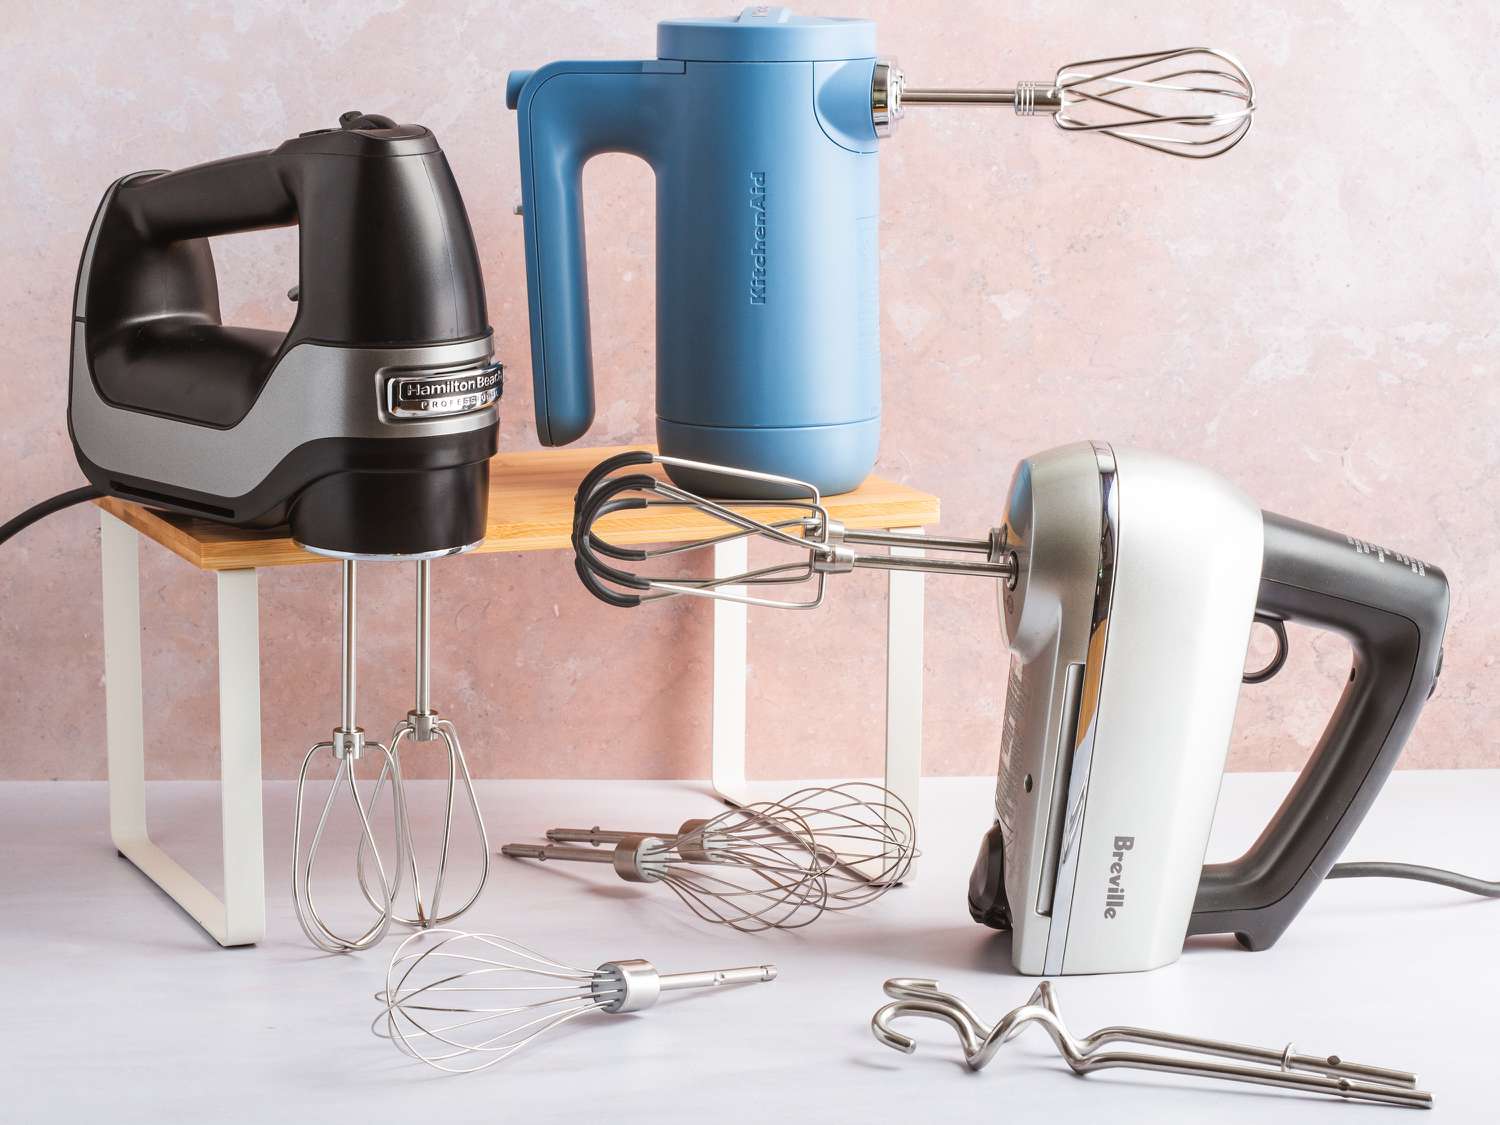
column 531, row 509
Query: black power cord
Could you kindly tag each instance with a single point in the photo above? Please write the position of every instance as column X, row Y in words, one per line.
column 46, row 508
column 1418, row 873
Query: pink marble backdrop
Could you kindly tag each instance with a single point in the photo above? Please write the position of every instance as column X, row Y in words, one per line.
column 1313, row 316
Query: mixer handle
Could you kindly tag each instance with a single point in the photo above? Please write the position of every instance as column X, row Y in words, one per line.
column 568, row 113
column 1392, row 609
column 148, row 292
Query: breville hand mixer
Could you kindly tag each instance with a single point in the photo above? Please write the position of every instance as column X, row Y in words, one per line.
column 764, row 131
column 367, row 426
column 1127, row 584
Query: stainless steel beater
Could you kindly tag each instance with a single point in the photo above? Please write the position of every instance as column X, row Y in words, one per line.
column 865, row 836
column 1194, row 102
column 423, row 725
column 346, row 747
column 463, row 1002
column 814, row 544
column 381, row 885
column 1285, row 1068
column 751, row 868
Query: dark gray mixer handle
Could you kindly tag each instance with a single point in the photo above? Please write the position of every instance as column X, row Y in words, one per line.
column 1392, row 609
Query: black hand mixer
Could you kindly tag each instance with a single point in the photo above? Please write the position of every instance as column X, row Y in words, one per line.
column 367, row 426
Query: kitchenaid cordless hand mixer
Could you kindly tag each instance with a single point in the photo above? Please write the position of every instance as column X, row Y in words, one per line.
column 764, row 132
column 367, row 426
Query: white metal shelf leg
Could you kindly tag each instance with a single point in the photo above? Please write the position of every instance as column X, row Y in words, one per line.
column 239, row 918
column 239, row 758
column 905, row 613
column 731, row 636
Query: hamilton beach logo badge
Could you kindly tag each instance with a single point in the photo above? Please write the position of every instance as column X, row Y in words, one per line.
column 1114, row 896
column 758, row 238
column 428, row 396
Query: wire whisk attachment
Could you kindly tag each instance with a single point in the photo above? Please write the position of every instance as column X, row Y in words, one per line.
column 745, row 868
column 813, row 545
column 1193, row 102
column 463, row 1002
column 864, row 835
column 1263, row 1066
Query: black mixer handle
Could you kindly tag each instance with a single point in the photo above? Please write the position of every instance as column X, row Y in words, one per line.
column 387, row 259
column 1392, row 609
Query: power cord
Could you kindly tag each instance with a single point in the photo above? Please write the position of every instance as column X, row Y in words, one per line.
column 46, row 508
column 1418, row 873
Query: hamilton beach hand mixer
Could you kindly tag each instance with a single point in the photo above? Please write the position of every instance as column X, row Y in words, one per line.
column 367, row 426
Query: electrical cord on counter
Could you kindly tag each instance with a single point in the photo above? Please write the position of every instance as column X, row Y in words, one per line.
column 46, row 508
column 1420, row 874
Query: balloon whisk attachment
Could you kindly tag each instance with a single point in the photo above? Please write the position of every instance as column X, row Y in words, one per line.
column 462, row 1002
column 747, row 868
column 863, row 834
column 1193, row 102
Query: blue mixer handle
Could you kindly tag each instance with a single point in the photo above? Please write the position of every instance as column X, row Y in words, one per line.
column 568, row 112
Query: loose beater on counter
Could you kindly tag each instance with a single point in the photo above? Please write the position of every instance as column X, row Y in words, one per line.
column 865, row 835
column 1285, row 1068
column 462, row 1002
column 752, row 868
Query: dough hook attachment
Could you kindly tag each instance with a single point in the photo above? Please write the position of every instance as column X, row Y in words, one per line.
column 1193, row 102
column 1285, row 1068
column 816, row 544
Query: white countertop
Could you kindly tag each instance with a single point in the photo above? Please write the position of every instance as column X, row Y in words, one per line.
column 118, row 1008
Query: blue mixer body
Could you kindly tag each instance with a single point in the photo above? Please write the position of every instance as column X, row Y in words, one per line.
column 759, row 131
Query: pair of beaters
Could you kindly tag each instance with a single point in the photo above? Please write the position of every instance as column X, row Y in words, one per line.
column 1128, row 584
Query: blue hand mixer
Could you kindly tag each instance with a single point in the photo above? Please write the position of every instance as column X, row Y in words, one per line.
column 763, row 130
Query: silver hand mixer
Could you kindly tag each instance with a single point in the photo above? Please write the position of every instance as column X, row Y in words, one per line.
column 1193, row 102
column 380, row 885
column 463, row 1002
